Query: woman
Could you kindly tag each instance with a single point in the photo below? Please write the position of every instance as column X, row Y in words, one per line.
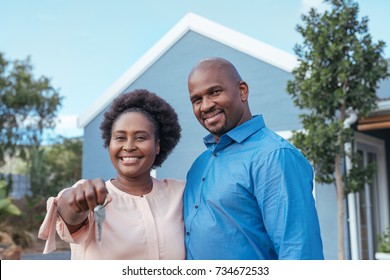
column 143, row 215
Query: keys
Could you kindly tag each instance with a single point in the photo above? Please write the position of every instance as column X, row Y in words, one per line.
column 99, row 216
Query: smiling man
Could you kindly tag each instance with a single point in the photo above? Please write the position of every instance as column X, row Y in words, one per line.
column 249, row 195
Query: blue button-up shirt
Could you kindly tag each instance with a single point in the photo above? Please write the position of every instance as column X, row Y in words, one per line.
column 249, row 196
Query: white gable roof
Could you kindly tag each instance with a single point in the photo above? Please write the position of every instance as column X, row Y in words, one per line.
column 205, row 27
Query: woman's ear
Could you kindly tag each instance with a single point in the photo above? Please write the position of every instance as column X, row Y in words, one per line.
column 158, row 147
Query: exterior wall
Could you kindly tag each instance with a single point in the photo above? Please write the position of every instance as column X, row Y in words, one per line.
column 384, row 85
column 168, row 78
column 326, row 201
column 384, row 88
column 96, row 161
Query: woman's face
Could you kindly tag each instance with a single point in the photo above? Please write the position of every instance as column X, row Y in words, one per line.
column 133, row 146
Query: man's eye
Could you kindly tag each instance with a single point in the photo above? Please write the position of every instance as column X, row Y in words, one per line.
column 196, row 101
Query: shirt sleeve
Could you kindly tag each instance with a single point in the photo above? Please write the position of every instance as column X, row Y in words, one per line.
column 47, row 231
column 288, row 207
column 53, row 223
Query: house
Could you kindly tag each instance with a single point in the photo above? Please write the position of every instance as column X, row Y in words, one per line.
column 21, row 185
column 164, row 69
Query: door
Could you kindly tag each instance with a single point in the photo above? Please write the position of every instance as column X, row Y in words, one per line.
column 371, row 202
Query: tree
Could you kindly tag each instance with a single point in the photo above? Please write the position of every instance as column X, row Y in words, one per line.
column 51, row 168
column 6, row 205
column 337, row 77
column 28, row 106
column 66, row 170
column 55, row 167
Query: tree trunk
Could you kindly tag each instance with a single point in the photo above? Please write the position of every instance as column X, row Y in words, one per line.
column 340, row 206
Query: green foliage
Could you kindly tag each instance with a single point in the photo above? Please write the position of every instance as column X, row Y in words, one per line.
column 314, row 143
column 27, row 107
column 358, row 176
column 39, row 172
column 339, row 70
column 8, row 182
column 67, row 166
column 6, row 205
column 55, row 167
column 35, row 211
column 384, row 241
column 52, row 168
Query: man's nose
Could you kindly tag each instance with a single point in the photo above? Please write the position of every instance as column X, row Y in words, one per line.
column 206, row 105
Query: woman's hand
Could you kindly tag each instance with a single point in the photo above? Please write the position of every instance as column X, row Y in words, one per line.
column 85, row 196
column 76, row 202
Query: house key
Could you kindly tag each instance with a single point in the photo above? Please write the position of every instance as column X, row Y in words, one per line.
column 99, row 216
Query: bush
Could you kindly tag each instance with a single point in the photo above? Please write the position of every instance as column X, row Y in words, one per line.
column 6, row 205
column 384, row 241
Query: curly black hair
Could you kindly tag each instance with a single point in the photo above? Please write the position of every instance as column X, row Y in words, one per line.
column 163, row 116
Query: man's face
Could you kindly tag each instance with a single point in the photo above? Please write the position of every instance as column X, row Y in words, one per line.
column 218, row 98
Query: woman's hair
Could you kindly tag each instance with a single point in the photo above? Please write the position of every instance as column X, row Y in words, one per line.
column 155, row 109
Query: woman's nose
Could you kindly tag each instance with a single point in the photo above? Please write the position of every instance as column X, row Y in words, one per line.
column 128, row 146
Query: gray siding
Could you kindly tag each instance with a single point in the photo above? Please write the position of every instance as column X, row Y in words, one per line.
column 326, row 201
column 96, row 161
column 384, row 85
column 383, row 91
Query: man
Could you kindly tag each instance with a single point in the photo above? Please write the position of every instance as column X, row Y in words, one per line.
column 249, row 195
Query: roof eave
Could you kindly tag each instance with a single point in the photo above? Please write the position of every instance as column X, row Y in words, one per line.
column 205, row 27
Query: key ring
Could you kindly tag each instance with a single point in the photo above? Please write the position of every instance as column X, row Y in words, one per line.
column 106, row 201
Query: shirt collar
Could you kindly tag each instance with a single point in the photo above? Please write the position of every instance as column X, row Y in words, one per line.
column 237, row 134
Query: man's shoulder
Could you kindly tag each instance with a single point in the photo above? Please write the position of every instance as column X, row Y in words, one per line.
column 267, row 142
column 268, row 139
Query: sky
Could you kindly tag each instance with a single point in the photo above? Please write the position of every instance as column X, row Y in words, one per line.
column 84, row 46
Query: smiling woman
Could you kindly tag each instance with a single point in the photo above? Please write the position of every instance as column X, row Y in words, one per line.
column 131, row 216
column 133, row 148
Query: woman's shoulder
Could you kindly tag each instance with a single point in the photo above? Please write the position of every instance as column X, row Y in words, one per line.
column 170, row 183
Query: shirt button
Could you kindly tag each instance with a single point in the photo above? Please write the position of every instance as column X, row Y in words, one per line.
column 203, row 178
column 187, row 233
column 215, row 154
column 196, row 206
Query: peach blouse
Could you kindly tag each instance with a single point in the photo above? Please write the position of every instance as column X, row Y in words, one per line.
column 135, row 227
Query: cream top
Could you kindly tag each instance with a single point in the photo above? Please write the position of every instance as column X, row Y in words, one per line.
column 135, row 227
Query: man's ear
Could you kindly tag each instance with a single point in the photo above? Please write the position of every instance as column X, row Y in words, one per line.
column 244, row 90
